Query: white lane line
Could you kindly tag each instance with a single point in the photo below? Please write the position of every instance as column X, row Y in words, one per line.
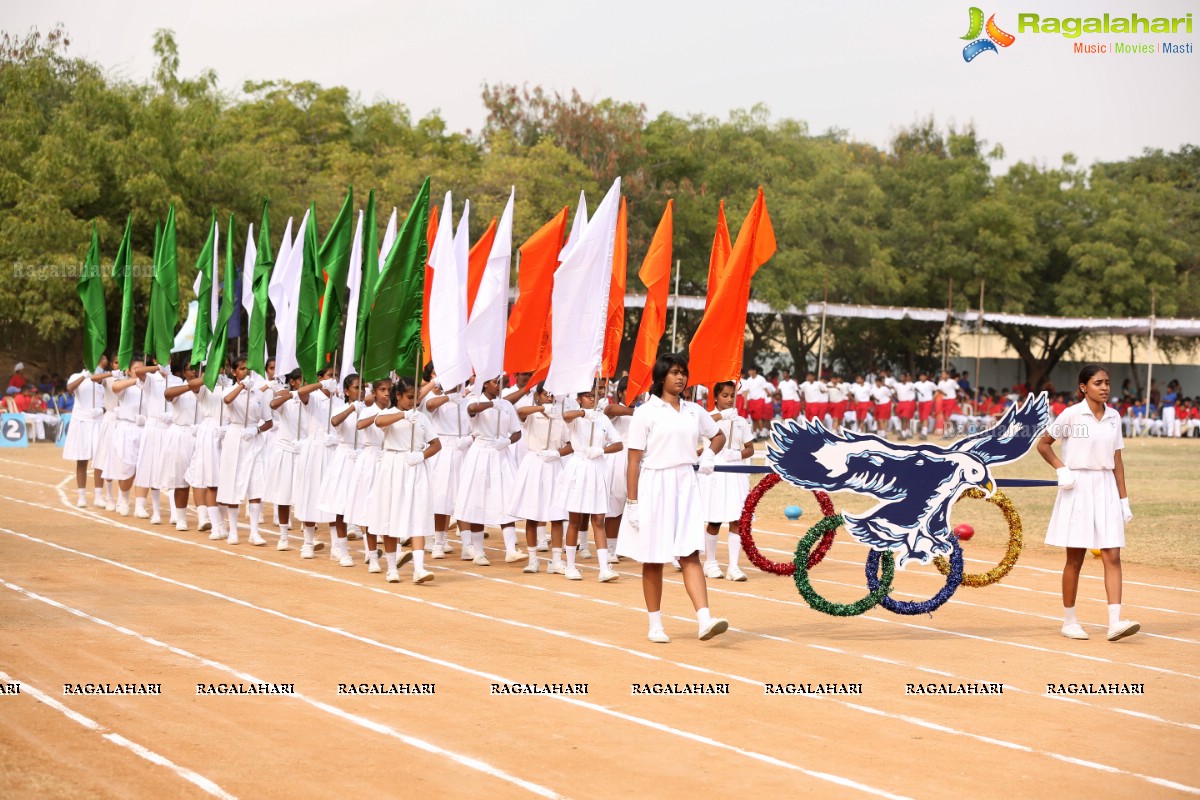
column 573, row 701
column 194, row 778
column 421, row 744
column 698, row 738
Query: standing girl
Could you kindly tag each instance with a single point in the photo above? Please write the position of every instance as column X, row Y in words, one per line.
column 724, row 493
column 620, row 415
column 83, row 434
column 178, row 442
column 127, row 433
column 314, row 454
column 336, row 482
column 487, row 479
column 1092, row 506
column 281, row 457
column 359, row 500
column 663, row 516
column 241, row 475
column 545, row 437
column 583, row 486
column 448, row 410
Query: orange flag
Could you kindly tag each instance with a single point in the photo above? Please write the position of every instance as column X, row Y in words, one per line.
column 527, row 344
column 430, row 235
column 655, row 275
column 720, row 253
column 615, row 326
column 476, row 260
column 716, row 350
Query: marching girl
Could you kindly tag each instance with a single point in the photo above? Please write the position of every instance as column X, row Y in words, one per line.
column 314, row 453
column 582, row 489
column 620, row 415
column 487, row 479
column 945, row 404
column 545, row 437
column 178, row 441
column 521, row 397
column 83, row 434
column 838, row 402
column 925, row 392
column 861, row 393
column 724, row 493
column 906, row 405
column 377, row 398
column 400, row 501
column 286, row 411
column 240, row 474
column 153, row 408
column 663, row 515
column 126, row 434
column 104, row 442
column 1092, row 506
column 881, row 396
column 336, row 481
column 203, row 473
column 447, row 408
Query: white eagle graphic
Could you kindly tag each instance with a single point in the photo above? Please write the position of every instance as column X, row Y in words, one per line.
column 916, row 484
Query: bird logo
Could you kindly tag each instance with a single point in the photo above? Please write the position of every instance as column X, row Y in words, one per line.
column 915, row 484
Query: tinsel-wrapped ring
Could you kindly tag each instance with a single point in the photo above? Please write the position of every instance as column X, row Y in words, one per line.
column 1016, row 542
column 814, row 598
column 746, row 527
column 913, row 608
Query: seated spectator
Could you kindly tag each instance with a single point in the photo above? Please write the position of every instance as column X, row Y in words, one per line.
column 33, row 407
column 18, row 377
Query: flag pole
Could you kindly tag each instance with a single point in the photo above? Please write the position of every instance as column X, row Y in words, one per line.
column 675, row 312
column 412, row 430
column 979, row 339
column 1150, row 355
column 946, row 328
column 821, row 347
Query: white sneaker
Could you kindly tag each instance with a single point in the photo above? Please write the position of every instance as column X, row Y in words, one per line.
column 81, row 502
column 438, row 552
column 122, row 508
column 353, row 532
column 532, row 567
column 283, row 543
column 257, row 540
column 1074, row 631
column 468, row 553
column 659, row 636
column 584, row 553
column 346, row 560
column 109, row 505
column 606, row 574
column 422, row 576
column 1125, row 627
column 205, row 526
column 216, row 535
column 481, row 561
column 613, row 558
column 447, row 548
column 543, row 546
column 373, row 566
column 555, row 568
column 232, row 538
column 393, row 576
column 715, row 627
column 512, row 558
column 712, row 570
column 306, row 551
column 735, row 574
column 141, row 513
column 156, row 519
column 318, row 546
column 573, row 574
column 404, row 559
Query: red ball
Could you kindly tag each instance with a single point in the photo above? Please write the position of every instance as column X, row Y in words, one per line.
column 964, row 531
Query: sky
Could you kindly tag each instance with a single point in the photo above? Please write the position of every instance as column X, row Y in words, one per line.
column 866, row 68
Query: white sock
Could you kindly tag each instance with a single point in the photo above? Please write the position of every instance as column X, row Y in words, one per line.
column 1114, row 614
column 83, row 495
column 98, row 495
column 155, row 502
column 123, row 496
column 1069, row 616
column 372, row 557
column 202, row 514
column 735, row 549
column 339, row 544
column 710, row 547
column 533, row 557
column 310, row 533
column 543, row 534
column 391, row 560
column 255, row 512
column 108, row 490
column 478, row 541
column 703, row 617
column 602, row 555
column 275, row 514
column 655, row 620
column 583, row 534
column 231, row 513
column 571, row 552
column 556, row 555
column 285, row 528
column 510, row 539
column 139, row 505
column 419, row 559
column 464, row 534
column 215, row 516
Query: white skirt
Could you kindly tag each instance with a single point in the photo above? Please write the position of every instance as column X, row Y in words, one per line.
column 670, row 522
column 617, row 464
column 124, row 444
column 205, row 469
column 280, row 467
column 1088, row 514
column 83, row 437
column 362, row 486
column 337, row 481
column 400, row 504
column 485, row 486
column 240, row 476
column 723, row 494
column 445, row 469
column 311, row 461
column 583, row 486
column 104, row 441
column 148, row 454
column 170, row 470
column 536, row 481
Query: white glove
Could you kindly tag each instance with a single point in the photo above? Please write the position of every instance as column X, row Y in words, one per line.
column 329, row 385
column 1066, row 478
column 249, row 434
column 220, row 434
column 164, row 370
column 631, row 514
column 463, row 443
column 352, row 455
column 550, row 456
column 414, row 457
column 1126, row 512
column 246, row 383
column 331, row 440
column 708, row 461
column 359, row 405
column 591, row 414
column 192, row 430
column 412, row 415
column 141, row 420
column 593, row 453
column 97, row 413
column 500, row 444
column 554, row 412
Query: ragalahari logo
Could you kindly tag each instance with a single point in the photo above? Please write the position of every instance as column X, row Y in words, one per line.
column 995, row 36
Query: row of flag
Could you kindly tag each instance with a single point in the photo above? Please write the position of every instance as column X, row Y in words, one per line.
column 425, row 293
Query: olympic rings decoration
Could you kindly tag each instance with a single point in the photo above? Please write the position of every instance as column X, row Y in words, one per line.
column 746, row 525
column 814, row 598
column 953, row 580
column 1016, row 542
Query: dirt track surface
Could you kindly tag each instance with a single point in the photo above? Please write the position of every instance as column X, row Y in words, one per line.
column 88, row 597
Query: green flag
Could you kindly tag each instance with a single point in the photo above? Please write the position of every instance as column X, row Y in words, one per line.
column 91, row 295
column 148, row 345
column 216, row 347
column 164, row 292
column 123, row 271
column 204, row 287
column 333, row 261
column 308, row 308
column 394, row 324
column 256, row 354
column 370, row 279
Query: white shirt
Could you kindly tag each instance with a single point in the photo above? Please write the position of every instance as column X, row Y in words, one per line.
column 402, row 436
column 498, row 422
column 1088, row 443
column 837, row 392
column 789, row 391
column 905, row 392
column 925, row 390
column 882, row 395
column 543, row 433
column 245, row 409
column 737, row 433
column 595, row 432
column 756, row 388
column 948, row 388
column 88, row 394
column 812, row 391
column 861, row 392
column 450, row 418
column 668, row 437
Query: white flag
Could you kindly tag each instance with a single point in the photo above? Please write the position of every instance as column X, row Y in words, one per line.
column 487, row 328
column 389, row 238
column 580, row 299
column 216, row 282
column 187, row 333
column 354, row 284
column 275, row 291
column 285, row 322
column 448, row 298
column 248, row 275
column 578, row 226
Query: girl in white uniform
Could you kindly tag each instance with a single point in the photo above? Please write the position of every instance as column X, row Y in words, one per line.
column 1092, row 506
column 313, row 455
column 486, row 482
column 126, row 435
column 336, row 482
column 663, row 516
column 620, row 416
column 178, row 442
column 153, row 409
column 280, row 463
column 583, row 486
column 104, row 441
column 377, row 398
column 83, row 435
column 241, row 475
column 545, row 437
column 203, row 473
column 724, row 493
column 448, row 410
column 400, row 503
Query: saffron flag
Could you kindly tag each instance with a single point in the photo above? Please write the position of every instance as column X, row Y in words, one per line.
column 477, row 261
column 614, row 328
column 430, row 236
column 488, row 318
column 123, row 272
column 527, row 345
column 715, row 353
column 719, row 255
column 91, row 296
column 216, row 345
column 655, row 275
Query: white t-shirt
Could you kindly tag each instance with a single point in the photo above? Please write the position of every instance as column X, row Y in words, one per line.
column 737, row 433
column 837, row 392
column 788, row 391
column 882, row 395
column 595, row 432
column 905, row 392
column 498, row 422
column 925, row 390
column 948, row 388
column 669, row 437
column 1088, row 443
column 812, row 391
column 861, row 392
column 756, row 388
